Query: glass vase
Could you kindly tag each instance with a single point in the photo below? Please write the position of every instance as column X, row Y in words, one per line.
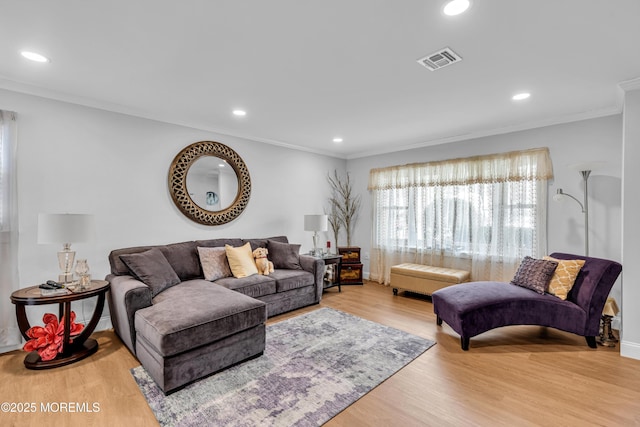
column 82, row 273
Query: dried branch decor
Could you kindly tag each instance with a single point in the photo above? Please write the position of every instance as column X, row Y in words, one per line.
column 344, row 203
column 335, row 222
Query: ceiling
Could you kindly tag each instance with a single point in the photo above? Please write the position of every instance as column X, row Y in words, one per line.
column 308, row 71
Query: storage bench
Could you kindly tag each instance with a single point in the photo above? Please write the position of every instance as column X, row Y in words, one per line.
column 425, row 279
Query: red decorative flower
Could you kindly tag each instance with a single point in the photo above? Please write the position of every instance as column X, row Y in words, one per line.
column 47, row 340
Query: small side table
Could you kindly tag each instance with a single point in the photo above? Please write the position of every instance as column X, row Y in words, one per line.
column 335, row 260
column 80, row 346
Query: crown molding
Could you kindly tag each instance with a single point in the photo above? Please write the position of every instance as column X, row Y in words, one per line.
column 41, row 92
column 585, row 115
column 629, row 85
column 117, row 108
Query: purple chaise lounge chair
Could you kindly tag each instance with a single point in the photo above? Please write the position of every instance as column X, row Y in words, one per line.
column 473, row 308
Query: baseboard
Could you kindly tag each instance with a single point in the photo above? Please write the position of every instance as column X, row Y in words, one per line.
column 104, row 323
column 630, row 349
column 8, row 348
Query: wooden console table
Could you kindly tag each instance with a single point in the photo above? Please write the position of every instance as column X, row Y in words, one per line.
column 80, row 346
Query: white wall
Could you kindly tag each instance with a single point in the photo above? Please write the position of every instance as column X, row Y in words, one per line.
column 83, row 160
column 584, row 141
column 630, row 341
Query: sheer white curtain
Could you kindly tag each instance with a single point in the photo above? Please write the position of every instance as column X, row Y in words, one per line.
column 482, row 214
column 9, row 332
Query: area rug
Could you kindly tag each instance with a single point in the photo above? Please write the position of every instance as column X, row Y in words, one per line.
column 314, row 366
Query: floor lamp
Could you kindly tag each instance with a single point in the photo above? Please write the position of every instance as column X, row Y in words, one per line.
column 584, row 205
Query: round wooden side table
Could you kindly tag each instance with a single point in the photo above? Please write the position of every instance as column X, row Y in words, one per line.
column 74, row 349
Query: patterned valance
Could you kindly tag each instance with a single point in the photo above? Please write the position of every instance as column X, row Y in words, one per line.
column 528, row 165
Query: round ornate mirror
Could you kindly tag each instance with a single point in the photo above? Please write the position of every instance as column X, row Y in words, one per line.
column 212, row 184
column 209, row 183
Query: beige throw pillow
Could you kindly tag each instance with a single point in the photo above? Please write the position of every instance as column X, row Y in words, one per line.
column 564, row 277
column 241, row 260
column 214, row 263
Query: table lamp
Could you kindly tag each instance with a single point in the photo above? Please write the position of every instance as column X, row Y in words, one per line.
column 65, row 229
column 606, row 337
column 315, row 223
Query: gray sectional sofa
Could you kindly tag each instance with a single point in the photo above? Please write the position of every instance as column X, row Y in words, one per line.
column 182, row 327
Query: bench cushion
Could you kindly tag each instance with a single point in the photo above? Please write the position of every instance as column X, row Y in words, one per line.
column 196, row 313
column 429, row 272
column 425, row 279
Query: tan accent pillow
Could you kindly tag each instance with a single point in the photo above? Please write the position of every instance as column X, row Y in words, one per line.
column 214, row 263
column 564, row 277
column 241, row 260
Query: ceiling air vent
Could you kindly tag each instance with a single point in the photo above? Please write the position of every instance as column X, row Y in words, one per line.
column 440, row 59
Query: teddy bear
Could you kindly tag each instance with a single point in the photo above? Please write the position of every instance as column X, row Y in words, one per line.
column 264, row 265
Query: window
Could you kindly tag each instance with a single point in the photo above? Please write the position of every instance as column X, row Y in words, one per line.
column 482, row 214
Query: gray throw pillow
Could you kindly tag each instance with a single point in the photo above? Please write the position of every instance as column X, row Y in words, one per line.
column 151, row 268
column 534, row 274
column 183, row 259
column 284, row 255
column 214, row 263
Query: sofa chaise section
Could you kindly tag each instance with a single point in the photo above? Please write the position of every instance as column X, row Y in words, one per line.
column 225, row 327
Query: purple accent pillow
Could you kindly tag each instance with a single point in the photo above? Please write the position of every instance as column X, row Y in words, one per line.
column 151, row 268
column 284, row 255
column 534, row 274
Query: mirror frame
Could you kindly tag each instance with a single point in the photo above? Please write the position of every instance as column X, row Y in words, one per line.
column 178, row 182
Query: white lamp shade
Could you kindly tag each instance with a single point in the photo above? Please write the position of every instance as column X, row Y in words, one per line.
column 316, row 222
column 65, row 228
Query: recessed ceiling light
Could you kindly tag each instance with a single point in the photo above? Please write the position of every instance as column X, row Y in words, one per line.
column 521, row 96
column 337, row 139
column 456, row 7
column 239, row 113
column 33, row 56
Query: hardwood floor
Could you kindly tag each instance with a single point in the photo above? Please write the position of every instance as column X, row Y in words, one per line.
column 514, row 376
